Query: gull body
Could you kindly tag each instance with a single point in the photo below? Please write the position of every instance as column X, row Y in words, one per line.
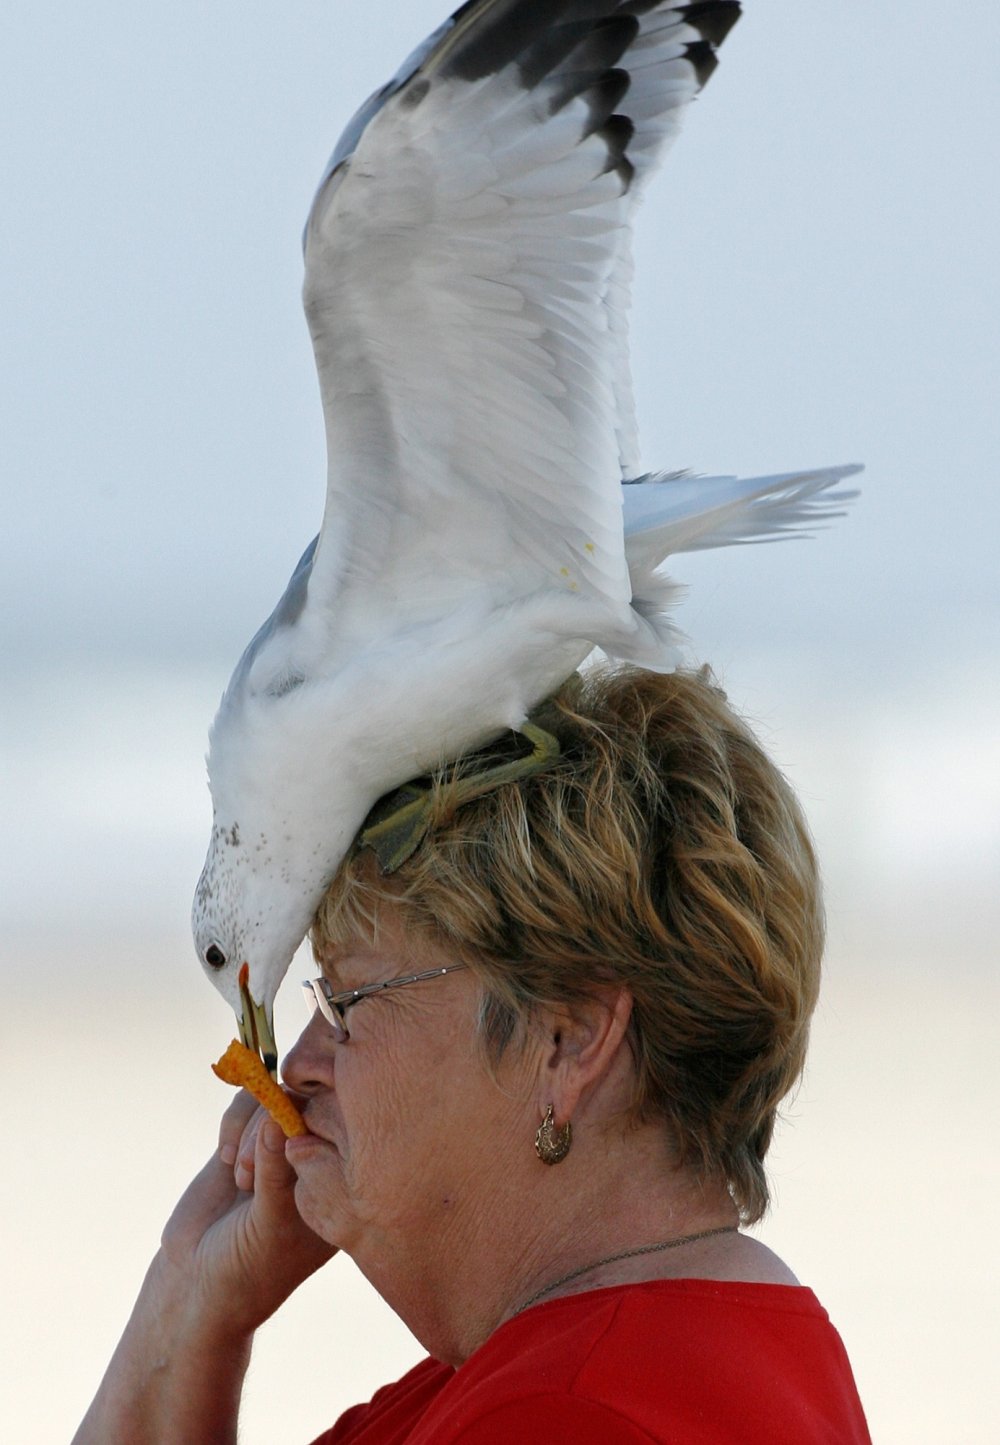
column 487, row 521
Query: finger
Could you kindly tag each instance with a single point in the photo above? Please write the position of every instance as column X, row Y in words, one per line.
column 265, row 1170
column 233, row 1124
column 246, row 1154
column 245, row 1158
column 247, row 1146
column 275, row 1213
column 273, row 1172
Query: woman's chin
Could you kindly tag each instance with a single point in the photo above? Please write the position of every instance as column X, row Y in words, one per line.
column 318, row 1186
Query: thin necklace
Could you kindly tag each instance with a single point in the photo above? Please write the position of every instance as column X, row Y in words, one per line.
column 625, row 1254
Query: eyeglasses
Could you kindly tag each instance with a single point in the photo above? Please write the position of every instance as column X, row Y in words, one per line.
column 319, row 994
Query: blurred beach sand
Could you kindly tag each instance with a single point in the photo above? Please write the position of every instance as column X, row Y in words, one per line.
column 885, row 1175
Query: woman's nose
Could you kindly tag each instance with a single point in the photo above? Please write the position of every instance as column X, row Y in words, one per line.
column 308, row 1065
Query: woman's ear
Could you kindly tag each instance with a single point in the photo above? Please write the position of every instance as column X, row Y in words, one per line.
column 583, row 1047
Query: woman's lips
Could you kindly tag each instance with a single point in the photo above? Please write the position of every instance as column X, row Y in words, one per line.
column 302, row 1145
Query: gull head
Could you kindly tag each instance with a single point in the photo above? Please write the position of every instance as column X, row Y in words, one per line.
column 288, row 795
column 248, row 918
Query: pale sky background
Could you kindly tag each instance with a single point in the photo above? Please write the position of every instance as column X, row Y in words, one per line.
column 816, row 283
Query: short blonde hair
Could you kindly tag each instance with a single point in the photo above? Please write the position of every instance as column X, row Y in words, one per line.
column 663, row 852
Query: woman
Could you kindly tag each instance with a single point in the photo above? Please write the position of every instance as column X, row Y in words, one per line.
column 540, row 1144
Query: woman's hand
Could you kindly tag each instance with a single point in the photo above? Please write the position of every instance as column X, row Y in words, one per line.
column 233, row 1250
column 235, row 1242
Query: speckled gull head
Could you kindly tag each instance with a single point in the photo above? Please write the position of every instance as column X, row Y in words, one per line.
column 487, row 522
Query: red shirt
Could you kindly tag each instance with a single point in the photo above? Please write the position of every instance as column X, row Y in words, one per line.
column 666, row 1362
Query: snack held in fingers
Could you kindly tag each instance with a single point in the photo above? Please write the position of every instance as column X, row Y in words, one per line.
column 242, row 1067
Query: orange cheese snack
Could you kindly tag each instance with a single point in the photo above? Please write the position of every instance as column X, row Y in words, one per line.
column 242, row 1067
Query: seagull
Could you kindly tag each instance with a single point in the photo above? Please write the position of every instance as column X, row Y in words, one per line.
column 487, row 523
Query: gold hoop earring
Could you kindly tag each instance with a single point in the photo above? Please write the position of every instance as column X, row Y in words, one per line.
column 552, row 1144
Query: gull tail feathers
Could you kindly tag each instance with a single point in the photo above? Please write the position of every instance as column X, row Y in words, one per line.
column 666, row 513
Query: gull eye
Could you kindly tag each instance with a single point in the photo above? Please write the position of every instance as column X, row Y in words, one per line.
column 214, row 956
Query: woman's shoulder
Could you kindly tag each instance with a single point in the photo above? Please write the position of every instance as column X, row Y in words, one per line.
column 694, row 1307
column 759, row 1360
column 662, row 1359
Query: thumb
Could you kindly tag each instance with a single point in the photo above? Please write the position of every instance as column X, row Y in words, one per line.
column 275, row 1219
column 274, row 1177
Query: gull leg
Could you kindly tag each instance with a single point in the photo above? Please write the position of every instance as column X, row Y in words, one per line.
column 399, row 822
column 544, row 750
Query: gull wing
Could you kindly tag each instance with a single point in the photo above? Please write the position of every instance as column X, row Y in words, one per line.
column 467, row 265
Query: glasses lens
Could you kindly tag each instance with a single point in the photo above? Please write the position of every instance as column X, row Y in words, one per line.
column 316, row 998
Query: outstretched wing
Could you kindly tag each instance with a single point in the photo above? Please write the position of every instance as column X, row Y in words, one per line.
column 467, row 264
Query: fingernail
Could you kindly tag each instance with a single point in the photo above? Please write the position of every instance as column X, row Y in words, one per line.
column 273, row 1136
column 227, row 1153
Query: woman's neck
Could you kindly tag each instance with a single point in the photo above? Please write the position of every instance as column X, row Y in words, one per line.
column 545, row 1232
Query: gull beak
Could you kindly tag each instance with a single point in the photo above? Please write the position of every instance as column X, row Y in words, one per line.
column 257, row 1025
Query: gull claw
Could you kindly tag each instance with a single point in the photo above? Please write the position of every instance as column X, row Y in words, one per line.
column 398, row 822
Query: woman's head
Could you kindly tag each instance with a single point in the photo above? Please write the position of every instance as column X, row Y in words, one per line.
column 662, row 852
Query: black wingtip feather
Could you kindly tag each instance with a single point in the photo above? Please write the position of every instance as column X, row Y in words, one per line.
column 616, row 132
column 588, row 51
column 539, row 36
column 702, row 58
column 604, row 95
column 578, row 44
column 506, row 32
column 713, row 19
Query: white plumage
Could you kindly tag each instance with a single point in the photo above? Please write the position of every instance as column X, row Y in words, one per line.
column 467, row 280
